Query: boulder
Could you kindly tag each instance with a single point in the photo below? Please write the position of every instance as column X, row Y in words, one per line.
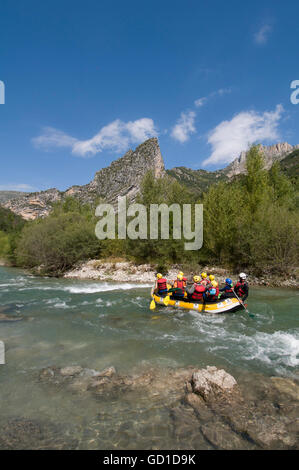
column 212, row 381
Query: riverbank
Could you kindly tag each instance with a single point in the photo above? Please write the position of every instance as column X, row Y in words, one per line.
column 126, row 271
column 104, row 372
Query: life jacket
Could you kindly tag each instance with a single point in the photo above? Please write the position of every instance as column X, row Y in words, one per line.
column 185, row 281
column 239, row 287
column 162, row 284
column 180, row 284
column 204, row 282
column 198, row 292
column 228, row 289
column 213, row 296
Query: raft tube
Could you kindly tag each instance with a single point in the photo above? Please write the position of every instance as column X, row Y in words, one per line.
column 223, row 306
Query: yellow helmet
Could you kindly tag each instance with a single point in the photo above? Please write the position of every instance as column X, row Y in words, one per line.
column 159, row 275
column 181, row 273
column 179, row 277
column 211, row 277
column 203, row 275
column 196, row 278
column 214, row 283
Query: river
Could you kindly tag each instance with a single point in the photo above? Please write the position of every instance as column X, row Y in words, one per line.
column 100, row 324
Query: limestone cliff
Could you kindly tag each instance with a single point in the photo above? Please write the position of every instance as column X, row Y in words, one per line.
column 271, row 154
column 122, row 178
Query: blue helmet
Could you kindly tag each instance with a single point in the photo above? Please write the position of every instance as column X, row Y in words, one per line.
column 228, row 281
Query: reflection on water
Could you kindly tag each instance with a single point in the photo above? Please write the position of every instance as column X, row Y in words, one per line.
column 96, row 325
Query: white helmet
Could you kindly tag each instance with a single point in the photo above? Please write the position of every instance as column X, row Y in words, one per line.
column 242, row 276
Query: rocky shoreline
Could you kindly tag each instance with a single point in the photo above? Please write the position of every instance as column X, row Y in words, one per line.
column 125, row 271
column 202, row 408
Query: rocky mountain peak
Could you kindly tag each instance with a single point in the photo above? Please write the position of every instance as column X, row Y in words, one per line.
column 122, row 178
column 271, row 154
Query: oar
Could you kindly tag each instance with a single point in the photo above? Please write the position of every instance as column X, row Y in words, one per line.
column 153, row 303
column 242, row 303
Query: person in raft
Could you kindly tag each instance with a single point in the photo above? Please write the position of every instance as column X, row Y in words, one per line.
column 183, row 278
column 241, row 288
column 204, row 279
column 161, row 285
column 228, row 290
column 212, row 292
column 178, row 289
column 195, row 292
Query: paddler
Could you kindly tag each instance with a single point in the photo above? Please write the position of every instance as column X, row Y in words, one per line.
column 183, row 278
column 204, row 279
column 178, row 289
column 161, row 285
column 228, row 290
column 241, row 288
column 212, row 292
column 196, row 292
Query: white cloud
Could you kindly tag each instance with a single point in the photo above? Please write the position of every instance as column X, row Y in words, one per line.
column 184, row 127
column 262, row 35
column 230, row 138
column 116, row 136
column 201, row 101
column 16, row 187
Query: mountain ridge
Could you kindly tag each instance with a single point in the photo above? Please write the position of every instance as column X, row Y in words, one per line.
column 124, row 175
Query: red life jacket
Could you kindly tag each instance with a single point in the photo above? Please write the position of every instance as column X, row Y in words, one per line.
column 180, row 284
column 185, row 281
column 204, row 282
column 162, row 284
column 239, row 288
column 198, row 292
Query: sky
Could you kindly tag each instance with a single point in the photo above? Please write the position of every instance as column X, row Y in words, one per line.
column 86, row 81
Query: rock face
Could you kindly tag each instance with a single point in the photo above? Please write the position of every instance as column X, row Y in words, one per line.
column 122, row 178
column 34, row 205
column 271, row 154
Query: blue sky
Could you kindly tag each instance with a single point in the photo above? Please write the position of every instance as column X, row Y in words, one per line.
column 86, row 81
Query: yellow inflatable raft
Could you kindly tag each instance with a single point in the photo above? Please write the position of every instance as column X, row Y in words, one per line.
column 222, row 306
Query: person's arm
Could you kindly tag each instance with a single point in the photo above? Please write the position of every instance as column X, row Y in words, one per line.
column 190, row 290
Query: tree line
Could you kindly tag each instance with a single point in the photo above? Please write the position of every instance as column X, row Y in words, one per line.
column 250, row 222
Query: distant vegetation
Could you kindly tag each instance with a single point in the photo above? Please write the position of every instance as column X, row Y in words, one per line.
column 11, row 226
column 250, row 222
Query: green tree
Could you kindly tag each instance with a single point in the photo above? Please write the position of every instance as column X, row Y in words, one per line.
column 55, row 243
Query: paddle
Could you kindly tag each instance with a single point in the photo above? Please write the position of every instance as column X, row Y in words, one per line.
column 153, row 303
column 242, row 303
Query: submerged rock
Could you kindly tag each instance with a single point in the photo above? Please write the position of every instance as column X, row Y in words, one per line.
column 70, row 371
column 212, row 381
column 9, row 318
column 205, row 408
column 24, row 434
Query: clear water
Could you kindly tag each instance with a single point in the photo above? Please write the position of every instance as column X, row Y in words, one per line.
column 96, row 324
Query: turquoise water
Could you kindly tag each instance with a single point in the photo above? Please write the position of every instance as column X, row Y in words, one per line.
column 99, row 324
